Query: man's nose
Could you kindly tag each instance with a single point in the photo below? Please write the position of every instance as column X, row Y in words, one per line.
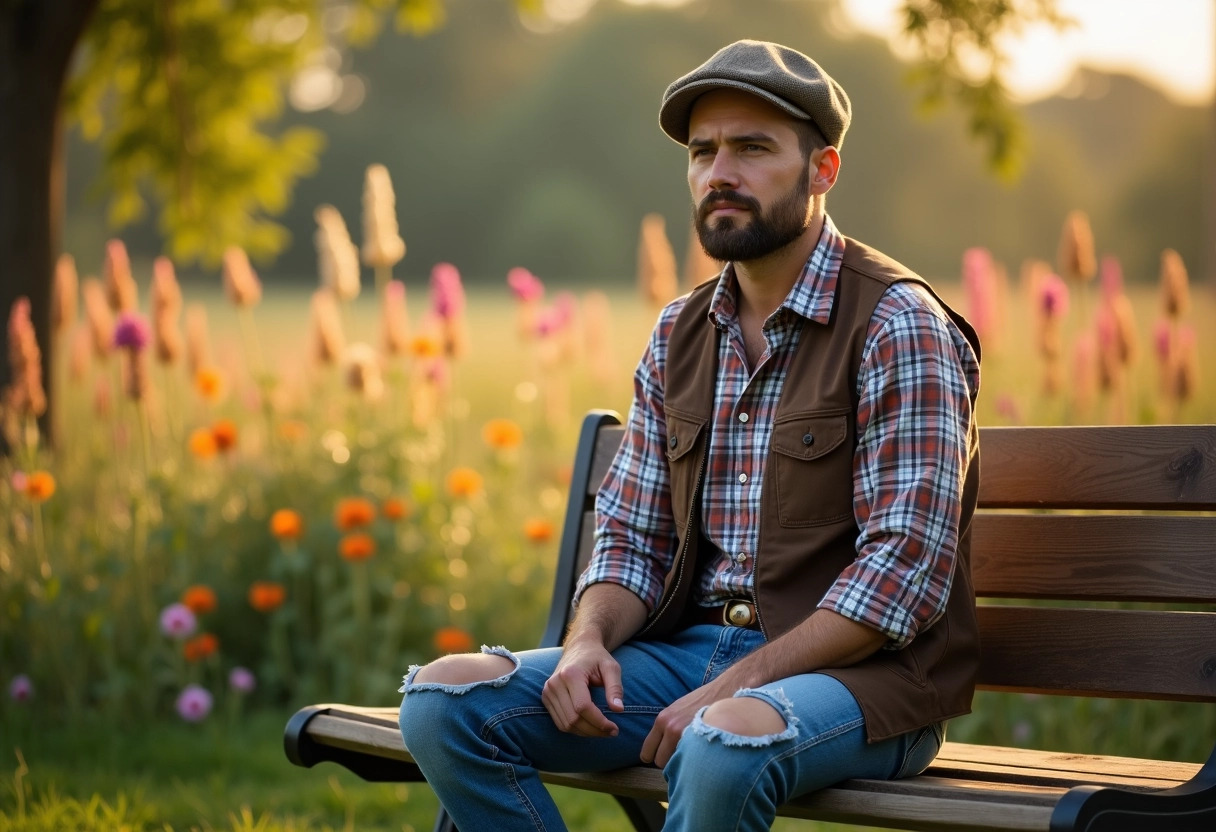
column 723, row 174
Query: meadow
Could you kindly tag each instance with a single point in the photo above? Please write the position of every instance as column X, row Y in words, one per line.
column 303, row 495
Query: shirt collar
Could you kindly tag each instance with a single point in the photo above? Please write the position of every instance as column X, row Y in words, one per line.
column 812, row 294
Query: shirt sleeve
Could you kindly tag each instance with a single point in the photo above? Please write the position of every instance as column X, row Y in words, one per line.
column 917, row 385
column 635, row 534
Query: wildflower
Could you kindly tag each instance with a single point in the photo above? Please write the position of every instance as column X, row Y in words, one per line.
column 202, row 443
column 131, row 332
column 266, row 596
column 538, row 530
column 66, row 292
column 357, row 547
column 464, row 482
column 394, row 320
column 1110, row 276
column 194, row 703
column 337, row 257
column 656, row 262
column 21, row 689
column 240, row 280
column 79, row 353
column 286, row 524
column 1175, row 291
column 166, row 307
column 502, row 434
column 1076, row 259
column 1053, row 297
column 101, row 319
column 979, row 283
column 698, row 265
column 24, row 397
column 39, row 486
column 448, row 304
column 292, row 430
column 209, row 382
column 200, row 599
column 452, row 640
column 178, row 621
column 526, row 286
column 224, row 432
column 353, row 513
column 396, row 508
column 242, row 680
column 200, row 647
column 382, row 243
column 1185, row 369
column 121, row 290
column 327, row 327
column 362, row 371
column 198, row 344
column 18, row 481
column 425, row 346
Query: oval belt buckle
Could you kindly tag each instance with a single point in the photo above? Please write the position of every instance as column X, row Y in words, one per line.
column 738, row 614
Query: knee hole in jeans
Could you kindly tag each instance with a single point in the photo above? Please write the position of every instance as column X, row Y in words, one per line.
column 464, row 669
column 745, row 717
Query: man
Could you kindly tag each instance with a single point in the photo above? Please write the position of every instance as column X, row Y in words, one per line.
column 780, row 595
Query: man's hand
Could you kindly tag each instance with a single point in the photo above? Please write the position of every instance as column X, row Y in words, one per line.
column 669, row 725
column 567, row 693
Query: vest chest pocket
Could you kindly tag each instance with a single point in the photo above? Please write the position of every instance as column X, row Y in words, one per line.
column 682, row 464
column 812, row 463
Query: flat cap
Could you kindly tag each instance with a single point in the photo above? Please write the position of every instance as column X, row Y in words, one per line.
column 780, row 75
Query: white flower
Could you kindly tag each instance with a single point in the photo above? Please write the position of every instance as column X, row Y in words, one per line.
column 337, row 257
column 382, row 243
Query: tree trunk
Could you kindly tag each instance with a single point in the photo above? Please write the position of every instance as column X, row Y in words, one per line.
column 37, row 38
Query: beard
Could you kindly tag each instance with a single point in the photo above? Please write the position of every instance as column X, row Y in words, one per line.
column 767, row 232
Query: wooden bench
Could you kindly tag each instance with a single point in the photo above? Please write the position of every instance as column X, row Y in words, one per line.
column 1074, row 514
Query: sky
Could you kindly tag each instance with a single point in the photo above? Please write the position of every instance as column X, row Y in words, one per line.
column 1171, row 43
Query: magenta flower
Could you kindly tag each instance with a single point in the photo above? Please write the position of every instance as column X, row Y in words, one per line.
column 193, row 703
column 447, row 292
column 1053, row 297
column 178, row 621
column 241, row 680
column 1163, row 341
column 21, row 689
column 132, row 332
column 526, row 286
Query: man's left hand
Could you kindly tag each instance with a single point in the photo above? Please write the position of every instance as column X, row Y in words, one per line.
column 669, row 725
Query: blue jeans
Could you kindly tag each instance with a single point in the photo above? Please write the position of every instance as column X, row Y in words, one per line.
column 481, row 745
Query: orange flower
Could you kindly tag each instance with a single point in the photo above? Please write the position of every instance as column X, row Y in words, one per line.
column 209, row 383
column 453, row 640
column 464, row 482
column 425, row 346
column 286, row 524
column 202, row 444
column 538, row 530
column 293, row 430
column 396, row 508
column 39, row 486
column 200, row 647
column 200, row 599
column 266, row 596
column 353, row 512
column 502, row 434
column 357, row 547
column 224, row 433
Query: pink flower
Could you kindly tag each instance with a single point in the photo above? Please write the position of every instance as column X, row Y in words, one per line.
column 1053, row 297
column 21, row 689
column 979, row 282
column 1162, row 341
column 241, row 680
column 19, row 480
column 447, row 292
column 178, row 621
column 132, row 332
column 526, row 286
column 1110, row 276
column 193, row 703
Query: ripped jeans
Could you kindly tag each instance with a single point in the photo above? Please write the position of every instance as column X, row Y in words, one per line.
column 481, row 745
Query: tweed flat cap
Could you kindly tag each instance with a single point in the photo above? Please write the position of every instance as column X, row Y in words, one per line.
column 776, row 73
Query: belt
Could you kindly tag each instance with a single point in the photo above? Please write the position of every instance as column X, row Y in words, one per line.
column 736, row 612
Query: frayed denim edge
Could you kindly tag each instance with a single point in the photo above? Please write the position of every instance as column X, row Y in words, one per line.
column 409, row 686
column 776, row 698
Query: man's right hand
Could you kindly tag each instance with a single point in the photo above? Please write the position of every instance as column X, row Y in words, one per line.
column 585, row 663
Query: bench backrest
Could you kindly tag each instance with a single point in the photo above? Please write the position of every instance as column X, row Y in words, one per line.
column 1072, row 518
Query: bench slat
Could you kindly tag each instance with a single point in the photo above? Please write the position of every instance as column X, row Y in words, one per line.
column 1115, row 653
column 1161, row 466
column 1094, row 557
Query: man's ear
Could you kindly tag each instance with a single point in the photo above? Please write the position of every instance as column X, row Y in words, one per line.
column 825, row 168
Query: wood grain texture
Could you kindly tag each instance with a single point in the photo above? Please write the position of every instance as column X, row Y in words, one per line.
column 1116, row 653
column 1094, row 557
column 1143, row 466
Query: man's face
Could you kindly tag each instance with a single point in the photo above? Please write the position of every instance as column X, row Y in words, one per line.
column 750, row 183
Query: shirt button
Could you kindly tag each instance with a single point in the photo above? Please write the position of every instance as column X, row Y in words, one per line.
column 739, row 558
column 742, row 417
column 806, row 440
column 743, row 478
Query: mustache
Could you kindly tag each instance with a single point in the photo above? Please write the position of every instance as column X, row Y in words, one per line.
column 714, row 199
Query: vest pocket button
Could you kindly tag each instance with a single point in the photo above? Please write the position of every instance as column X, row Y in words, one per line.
column 673, row 442
column 808, row 439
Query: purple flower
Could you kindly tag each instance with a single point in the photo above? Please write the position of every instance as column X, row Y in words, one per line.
column 21, row 689
column 178, row 621
column 526, row 286
column 193, row 703
column 132, row 332
column 1053, row 297
column 241, row 680
column 447, row 292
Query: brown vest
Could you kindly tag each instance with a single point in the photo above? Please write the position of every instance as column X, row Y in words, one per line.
column 808, row 533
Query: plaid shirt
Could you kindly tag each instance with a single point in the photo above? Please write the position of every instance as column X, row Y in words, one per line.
column 916, row 387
